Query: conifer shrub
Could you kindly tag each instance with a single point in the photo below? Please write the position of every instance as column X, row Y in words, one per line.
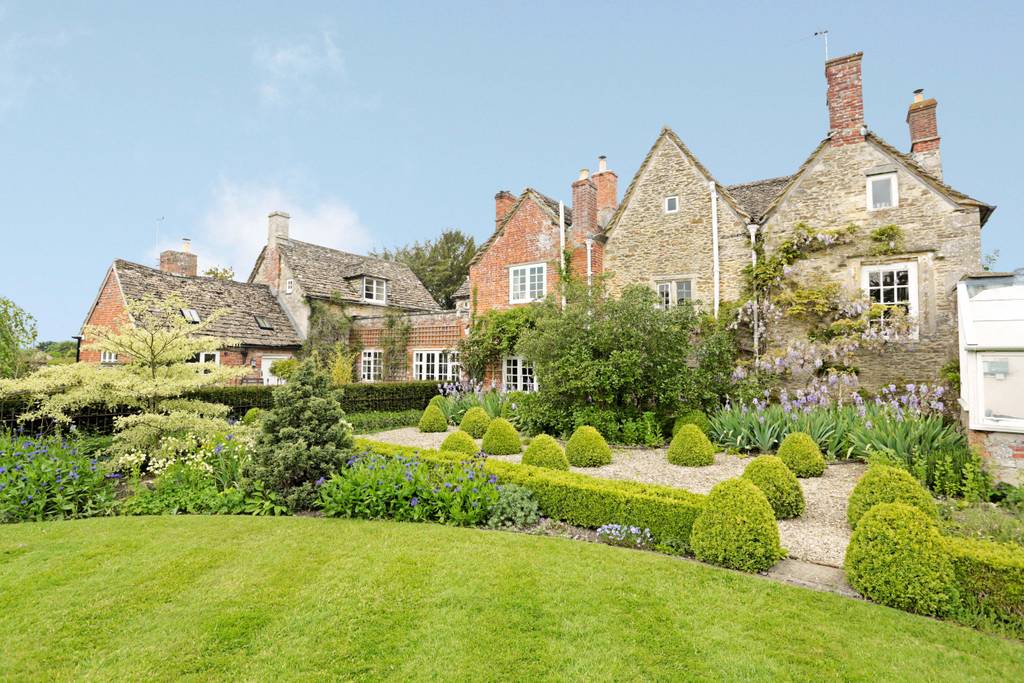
column 460, row 442
column 802, row 455
column 897, row 557
column 587, row 448
column 690, row 447
column 501, row 438
column 544, row 451
column 737, row 528
column 475, row 422
column 433, row 420
column 885, row 484
column 692, row 417
column 778, row 484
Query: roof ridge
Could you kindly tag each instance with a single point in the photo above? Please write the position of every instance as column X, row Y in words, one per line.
column 763, row 180
column 186, row 278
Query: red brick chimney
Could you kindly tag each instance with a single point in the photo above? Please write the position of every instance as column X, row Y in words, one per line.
column 607, row 191
column 845, row 99
column 182, row 262
column 924, row 133
column 503, row 202
column 584, row 207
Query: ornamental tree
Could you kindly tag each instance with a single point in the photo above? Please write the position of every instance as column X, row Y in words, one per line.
column 17, row 333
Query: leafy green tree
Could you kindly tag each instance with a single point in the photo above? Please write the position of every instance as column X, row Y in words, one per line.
column 17, row 333
column 58, row 352
column 220, row 272
column 441, row 265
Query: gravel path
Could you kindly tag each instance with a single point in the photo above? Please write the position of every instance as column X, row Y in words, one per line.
column 820, row 535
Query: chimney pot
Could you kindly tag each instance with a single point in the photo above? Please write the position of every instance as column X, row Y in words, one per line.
column 602, row 164
column 186, row 244
column 919, row 94
column 584, row 173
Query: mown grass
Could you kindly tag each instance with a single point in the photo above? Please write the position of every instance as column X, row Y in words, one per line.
column 237, row 598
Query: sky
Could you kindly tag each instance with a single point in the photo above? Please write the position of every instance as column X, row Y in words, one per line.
column 126, row 126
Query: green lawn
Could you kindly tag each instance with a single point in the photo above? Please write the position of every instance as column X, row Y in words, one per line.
column 261, row 599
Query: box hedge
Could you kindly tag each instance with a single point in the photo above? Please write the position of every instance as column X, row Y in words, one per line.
column 460, row 442
column 885, row 484
column 475, row 422
column 692, row 417
column 990, row 578
column 544, row 451
column 501, row 438
column 433, row 420
column 802, row 455
column 690, row 448
column 778, row 484
column 737, row 529
column 587, row 448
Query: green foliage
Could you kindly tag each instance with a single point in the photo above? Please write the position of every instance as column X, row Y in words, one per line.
column 897, row 557
column 441, row 265
column 982, row 521
column 778, row 484
column 433, row 420
column 691, row 448
column 394, row 342
column 364, row 397
column 514, row 509
column 990, row 579
column 950, row 375
column 183, row 489
column 737, row 529
column 802, row 455
column 587, row 448
column 692, row 417
column 58, row 352
column 475, row 422
column 285, row 368
column 809, row 302
column 493, row 336
column 17, row 332
column 884, row 484
column 643, row 431
column 501, row 438
column 767, row 274
column 887, row 239
column 544, row 451
column 252, row 416
column 460, row 442
column 304, row 438
column 379, row 421
column 329, row 329
column 220, row 272
column 341, row 365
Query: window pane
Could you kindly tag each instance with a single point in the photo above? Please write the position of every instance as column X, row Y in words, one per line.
column 888, row 296
column 1002, row 386
column 887, row 278
column 903, row 294
column 903, row 277
column 874, row 278
column 664, row 294
column 683, row 292
column 881, row 193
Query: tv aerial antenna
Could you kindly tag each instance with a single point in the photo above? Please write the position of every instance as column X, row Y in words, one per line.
column 824, row 35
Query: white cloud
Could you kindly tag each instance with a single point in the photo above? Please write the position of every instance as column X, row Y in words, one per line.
column 298, row 70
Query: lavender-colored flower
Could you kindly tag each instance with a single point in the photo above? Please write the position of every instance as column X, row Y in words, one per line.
column 414, row 501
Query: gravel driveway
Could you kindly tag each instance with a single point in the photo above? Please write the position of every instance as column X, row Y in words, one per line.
column 820, row 535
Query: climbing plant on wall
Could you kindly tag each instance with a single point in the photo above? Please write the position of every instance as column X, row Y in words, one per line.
column 394, row 342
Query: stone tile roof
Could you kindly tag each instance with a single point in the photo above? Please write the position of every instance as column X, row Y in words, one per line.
column 756, row 196
column 549, row 205
column 242, row 300
column 463, row 291
column 322, row 272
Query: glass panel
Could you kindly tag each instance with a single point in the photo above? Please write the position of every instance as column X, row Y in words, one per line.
column 664, row 294
column 887, row 278
column 888, row 296
column 1002, row 387
column 874, row 278
column 881, row 193
column 903, row 277
column 903, row 294
column 683, row 292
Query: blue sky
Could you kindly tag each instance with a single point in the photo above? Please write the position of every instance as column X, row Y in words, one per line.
column 375, row 124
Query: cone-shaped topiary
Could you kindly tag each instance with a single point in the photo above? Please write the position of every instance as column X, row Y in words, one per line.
column 544, row 451
column 475, row 422
column 460, row 442
column 896, row 557
column 436, row 401
column 691, row 448
column 802, row 455
column 778, row 484
column 433, row 420
column 587, row 448
column 736, row 528
column 885, row 484
column 501, row 438
column 692, row 417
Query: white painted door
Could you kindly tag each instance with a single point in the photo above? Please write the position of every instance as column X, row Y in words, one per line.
column 265, row 363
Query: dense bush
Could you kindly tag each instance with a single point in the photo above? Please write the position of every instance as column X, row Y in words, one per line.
column 514, row 509
column 691, row 448
column 692, row 417
column 433, row 420
column 501, row 438
column 181, row 489
column 884, row 484
column 252, row 416
column 48, row 477
column 897, row 557
column 367, row 423
column 990, row 578
column 779, row 485
column 737, row 528
column 587, row 448
column 387, row 396
column 544, row 451
column 801, row 455
column 460, row 442
column 475, row 422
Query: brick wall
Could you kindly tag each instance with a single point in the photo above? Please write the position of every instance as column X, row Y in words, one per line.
column 845, row 99
column 1002, row 453
column 428, row 331
column 109, row 311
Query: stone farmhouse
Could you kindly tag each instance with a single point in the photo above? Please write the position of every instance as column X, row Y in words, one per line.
column 676, row 230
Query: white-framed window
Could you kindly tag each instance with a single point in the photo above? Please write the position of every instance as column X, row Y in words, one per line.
column 999, row 378
column 527, row 283
column 892, row 284
column 191, row 315
column 289, row 286
column 664, row 294
column 672, row 292
column 671, row 204
column 439, row 365
column 371, row 368
column 108, row 357
column 517, row 374
column 375, row 289
column 206, row 357
column 883, row 191
column 263, row 322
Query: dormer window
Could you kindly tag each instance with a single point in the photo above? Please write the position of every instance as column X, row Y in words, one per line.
column 289, row 286
column 671, row 204
column 191, row 315
column 883, row 191
column 263, row 323
column 375, row 289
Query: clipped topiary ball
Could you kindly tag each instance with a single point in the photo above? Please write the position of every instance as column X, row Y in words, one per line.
column 737, row 528
column 501, row 438
column 801, row 455
column 587, row 448
column 433, row 420
column 692, row 417
column 885, row 484
column 690, row 447
column 460, row 442
column 896, row 557
column 778, row 484
column 544, row 451
column 475, row 422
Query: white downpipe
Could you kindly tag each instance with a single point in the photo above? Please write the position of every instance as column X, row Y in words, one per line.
column 752, row 227
column 561, row 245
column 590, row 261
column 715, row 269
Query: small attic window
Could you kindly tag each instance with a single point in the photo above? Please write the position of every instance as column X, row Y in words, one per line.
column 289, row 286
column 374, row 289
column 883, row 191
column 671, row 204
column 263, row 323
column 190, row 314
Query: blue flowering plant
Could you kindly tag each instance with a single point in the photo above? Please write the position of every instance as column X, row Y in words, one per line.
column 51, row 477
column 408, row 489
column 626, row 536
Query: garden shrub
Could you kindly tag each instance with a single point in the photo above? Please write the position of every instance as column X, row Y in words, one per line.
column 885, row 484
column 802, row 455
column 379, row 421
column 737, row 528
column 544, row 451
column 692, row 417
column 252, row 416
column 460, row 442
column 362, row 397
column 501, row 438
column 514, row 509
column 604, row 420
column 778, row 484
column 181, row 489
column 990, row 578
column 691, row 448
column 642, row 431
column 896, row 557
column 433, row 420
column 438, row 401
column 587, row 448
column 475, row 422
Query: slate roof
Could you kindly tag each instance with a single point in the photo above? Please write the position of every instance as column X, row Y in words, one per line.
column 755, row 197
column 242, row 301
column 463, row 291
column 549, row 205
column 322, row 272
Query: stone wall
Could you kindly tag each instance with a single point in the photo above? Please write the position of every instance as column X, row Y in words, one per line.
column 1002, row 452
